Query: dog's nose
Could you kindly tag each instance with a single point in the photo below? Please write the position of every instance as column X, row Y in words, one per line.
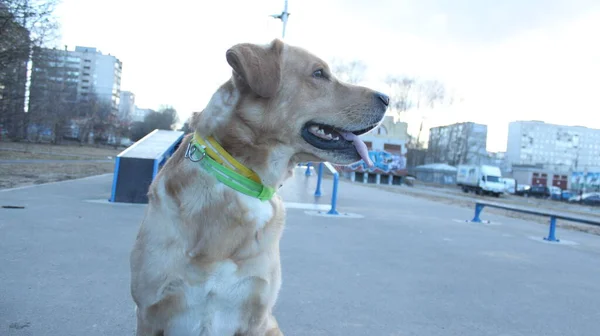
column 384, row 98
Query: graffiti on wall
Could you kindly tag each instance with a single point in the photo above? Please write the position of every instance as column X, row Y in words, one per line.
column 383, row 163
column 580, row 180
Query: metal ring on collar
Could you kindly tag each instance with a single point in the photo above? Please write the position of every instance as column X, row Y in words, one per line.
column 189, row 153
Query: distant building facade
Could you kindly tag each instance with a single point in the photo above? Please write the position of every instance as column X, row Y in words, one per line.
column 103, row 73
column 391, row 136
column 92, row 74
column 139, row 114
column 387, row 150
column 499, row 160
column 126, row 105
column 558, row 148
column 460, row 143
column 74, row 94
column 567, row 157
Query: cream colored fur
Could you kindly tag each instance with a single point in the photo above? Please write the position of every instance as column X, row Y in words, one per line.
column 206, row 258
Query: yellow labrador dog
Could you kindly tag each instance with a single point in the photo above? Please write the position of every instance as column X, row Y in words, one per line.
column 206, row 258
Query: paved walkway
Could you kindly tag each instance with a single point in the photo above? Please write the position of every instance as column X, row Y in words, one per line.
column 407, row 267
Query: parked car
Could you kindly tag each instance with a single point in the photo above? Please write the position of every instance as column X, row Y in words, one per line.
column 566, row 195
column 556, row 193
column 522, row 189
column 538, row 191
column 593, row 200
column 583, row 197
column 510, row 185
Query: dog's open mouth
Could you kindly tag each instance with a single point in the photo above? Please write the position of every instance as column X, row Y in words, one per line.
column 332, row 138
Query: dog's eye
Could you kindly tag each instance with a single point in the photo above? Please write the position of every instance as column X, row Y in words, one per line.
column 319, row 74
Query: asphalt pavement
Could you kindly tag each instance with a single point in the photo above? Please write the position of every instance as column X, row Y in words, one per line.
column 391, row 264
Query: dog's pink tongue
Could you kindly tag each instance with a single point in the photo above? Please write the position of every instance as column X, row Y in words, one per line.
column 360, row 146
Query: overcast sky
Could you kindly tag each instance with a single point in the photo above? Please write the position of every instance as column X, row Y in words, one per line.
column 502, row 60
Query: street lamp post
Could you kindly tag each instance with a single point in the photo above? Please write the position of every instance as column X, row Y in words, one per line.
column 283, row 17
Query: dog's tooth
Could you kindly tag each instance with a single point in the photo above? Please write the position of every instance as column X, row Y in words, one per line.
column 336, row 138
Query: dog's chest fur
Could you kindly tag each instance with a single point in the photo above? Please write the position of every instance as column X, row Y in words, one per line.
column 225, row 300
column 224, row 265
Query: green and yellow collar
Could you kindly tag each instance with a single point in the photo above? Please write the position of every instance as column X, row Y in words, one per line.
column 226, row 169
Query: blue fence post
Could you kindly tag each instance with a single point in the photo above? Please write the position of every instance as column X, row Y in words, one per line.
column 319, row 179
column 478, row 209
column 552, row 234
column 307, row 172
column 333, row 210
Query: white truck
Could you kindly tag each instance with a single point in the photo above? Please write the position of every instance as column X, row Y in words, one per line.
column 480, row 179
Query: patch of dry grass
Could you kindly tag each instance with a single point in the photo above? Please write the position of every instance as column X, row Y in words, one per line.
column 23, row 150
column 11, row 155
column 17, row 175
column 14, row 175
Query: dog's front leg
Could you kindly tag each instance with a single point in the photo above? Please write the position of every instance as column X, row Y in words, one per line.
column 273, row 327
column 144, row 328
column 274, row 332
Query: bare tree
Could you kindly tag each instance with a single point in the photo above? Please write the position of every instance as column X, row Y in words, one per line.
column 428, row 94
column 95, row 116
column 164, row 119
column 53, row 93
column 352, row 72
column 431, row 93
column 24, row 25
column 401, row 89
column 473, row 145
column 411, row 94
column 36, row 16
column 435, row 152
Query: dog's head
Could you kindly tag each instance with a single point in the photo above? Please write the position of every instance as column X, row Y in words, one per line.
column 284, row 104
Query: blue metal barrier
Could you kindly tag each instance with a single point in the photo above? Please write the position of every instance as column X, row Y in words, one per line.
column 308, row 172
column 552, row 234
column 319, row 180
column 336, row 179
column 479, row 205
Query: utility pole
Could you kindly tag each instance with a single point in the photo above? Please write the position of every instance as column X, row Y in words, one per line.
column 283, row 17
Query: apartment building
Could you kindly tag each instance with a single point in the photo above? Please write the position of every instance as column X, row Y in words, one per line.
column 85, row 70
column 127, row 105
column 460, row 143
column 558, row 148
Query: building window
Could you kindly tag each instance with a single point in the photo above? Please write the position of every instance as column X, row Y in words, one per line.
column 392, row 148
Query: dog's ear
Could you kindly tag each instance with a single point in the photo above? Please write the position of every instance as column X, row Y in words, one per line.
column 259, row 67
